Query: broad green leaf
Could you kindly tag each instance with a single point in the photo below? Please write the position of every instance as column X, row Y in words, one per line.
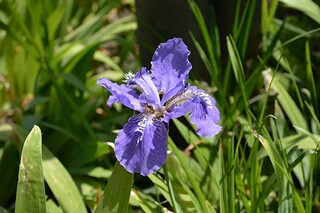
column 61, row 184
column 30, row 192
column 116, row 195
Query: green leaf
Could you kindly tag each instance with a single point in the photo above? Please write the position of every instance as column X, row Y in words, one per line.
column 30, row 191
column 191, row 176
column 116, row 195
column 310, row 76
column 308, row 7
column 3, row 210
column 238, row 71
column 287, row 103
column 147, row 203
column 268, row 11
column 206, row 35
column 54, row 20
column 301, row 142
column 72, row 79
column 92, row 171
column 86, row 153
column 288, row 196
column 8, row 172
column 61, row 184
column 160, row 183
column 52, row 207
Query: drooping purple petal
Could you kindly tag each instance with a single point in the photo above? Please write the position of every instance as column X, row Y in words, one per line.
column 121, row 93
column 205, row 114
column 170, row 65
column 141, row 145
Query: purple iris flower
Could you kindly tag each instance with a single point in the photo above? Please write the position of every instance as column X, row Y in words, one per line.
column 159, row 95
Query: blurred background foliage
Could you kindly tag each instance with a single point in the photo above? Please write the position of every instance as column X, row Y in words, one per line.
column 261, row 63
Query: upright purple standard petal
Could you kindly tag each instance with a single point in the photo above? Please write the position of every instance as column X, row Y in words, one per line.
column 141, row 145
column 205, row 114
column 121, row 93
column 170, row 65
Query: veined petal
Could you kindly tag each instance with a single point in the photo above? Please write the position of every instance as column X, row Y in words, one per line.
column 141, row 145
column 170, row 65
column 150, row 94
column 205, row 114
column 121, row 93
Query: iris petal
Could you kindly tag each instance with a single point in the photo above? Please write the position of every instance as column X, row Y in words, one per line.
column 205, row 114
column 121, row 93
column 141, row 145
column 170, row 65
column 150, row 94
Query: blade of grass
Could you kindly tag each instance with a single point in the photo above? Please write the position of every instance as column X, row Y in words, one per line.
column 206, row 36
column 231, row 175
column 202, row 155
column 200, row 196
column 287, row 103
column 170, row 189
column 310, row 79
column 267, row 15
column 238, row 72
column 288, row 197
column 313, row 114
column 246, row 22
column 224, row 207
